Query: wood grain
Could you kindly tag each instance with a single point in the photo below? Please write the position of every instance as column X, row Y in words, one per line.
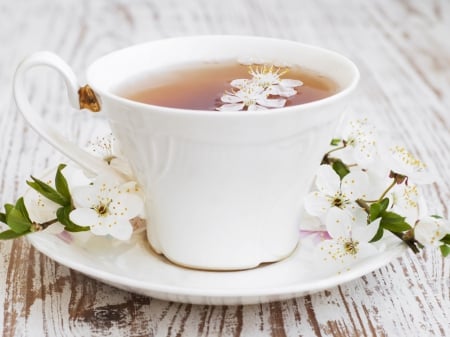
column 403, row 51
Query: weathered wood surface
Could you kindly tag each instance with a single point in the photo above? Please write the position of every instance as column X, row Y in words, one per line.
column 403, row 51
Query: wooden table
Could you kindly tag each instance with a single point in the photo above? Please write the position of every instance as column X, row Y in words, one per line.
column 403, row 51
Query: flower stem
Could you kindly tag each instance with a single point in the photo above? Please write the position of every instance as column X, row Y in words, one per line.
column 48, row 223
column 408, row 238
column 336, row 149
column 394, row 182
column 326, row 160
column 36, row 227
column 363, row 204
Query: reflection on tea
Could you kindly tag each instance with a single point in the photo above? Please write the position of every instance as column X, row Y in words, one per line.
column 228, row 86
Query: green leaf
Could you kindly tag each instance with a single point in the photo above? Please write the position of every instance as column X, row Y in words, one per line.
column 384, row 204
column 8, row 208
column 61, row 183
column 10, row 234
column 445, row 250
column 48, row 192
column 63, row 217
column 20, row 206
column 340, row 168
column 335, row 141
column 436, row 216
column 446, row 239
column 378, row 235
column 377, row 209
column 374, row 211
column 17, row 222
column 2, row 217
column 392, row 217
column 394, row 222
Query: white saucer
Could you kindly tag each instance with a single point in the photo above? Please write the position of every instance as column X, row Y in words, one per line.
column 133, row 266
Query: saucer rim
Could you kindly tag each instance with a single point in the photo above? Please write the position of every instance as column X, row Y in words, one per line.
column 285, row 291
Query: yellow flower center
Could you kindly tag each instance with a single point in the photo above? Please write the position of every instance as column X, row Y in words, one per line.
column 102, row 208
column 351, row 247
column 339, row 200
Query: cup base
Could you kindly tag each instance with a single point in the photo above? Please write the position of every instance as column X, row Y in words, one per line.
column 231, row 268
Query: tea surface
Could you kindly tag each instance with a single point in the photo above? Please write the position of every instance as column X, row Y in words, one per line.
column 201, row 86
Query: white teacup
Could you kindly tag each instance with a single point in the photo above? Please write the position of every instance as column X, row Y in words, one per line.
column 224, row 189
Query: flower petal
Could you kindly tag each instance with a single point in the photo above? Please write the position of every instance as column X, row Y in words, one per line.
column 84, row 217
column 75, row 177
column 231, row 107
column 122, row 165
column 272, row 102
column 332, row 253
column 281, row 91
column 403, row 162
column 227, row 98
column 327, row 180
column 365, row 152
column 357, row 214
column 429, row 231
column 122, row 230
column 364, row 233
column 82, row 196
column 254, row 107
column 405, row 201
column 339, row 223
column 126, row 206
column 239, row 83
column 288, row 83
column 316, row 203
column 107, row 181
column 366, row 250
column 355, row 185
column 100, row 229
column 40, row 209
column 337, row 257
column 287, row 92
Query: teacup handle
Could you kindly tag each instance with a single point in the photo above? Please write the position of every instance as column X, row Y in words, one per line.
column 79, row 97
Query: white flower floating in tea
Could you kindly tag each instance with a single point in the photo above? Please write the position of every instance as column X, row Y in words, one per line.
column 264, row 90
column 364, row 191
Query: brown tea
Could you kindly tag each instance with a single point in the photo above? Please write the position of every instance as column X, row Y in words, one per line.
column 202, row 86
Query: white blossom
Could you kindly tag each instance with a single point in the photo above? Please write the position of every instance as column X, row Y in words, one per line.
column 360, row 141
column 251, row 97
column 107, row 206
column 349, row 241
column 269, row 78
column 108, row 148
column 264, row 90
column 40, row 209
column 404, row 163
column 333, row 193
column 404, row 200
column 430, row 230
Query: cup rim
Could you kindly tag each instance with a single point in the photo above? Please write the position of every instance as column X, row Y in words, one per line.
column 185, row 111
